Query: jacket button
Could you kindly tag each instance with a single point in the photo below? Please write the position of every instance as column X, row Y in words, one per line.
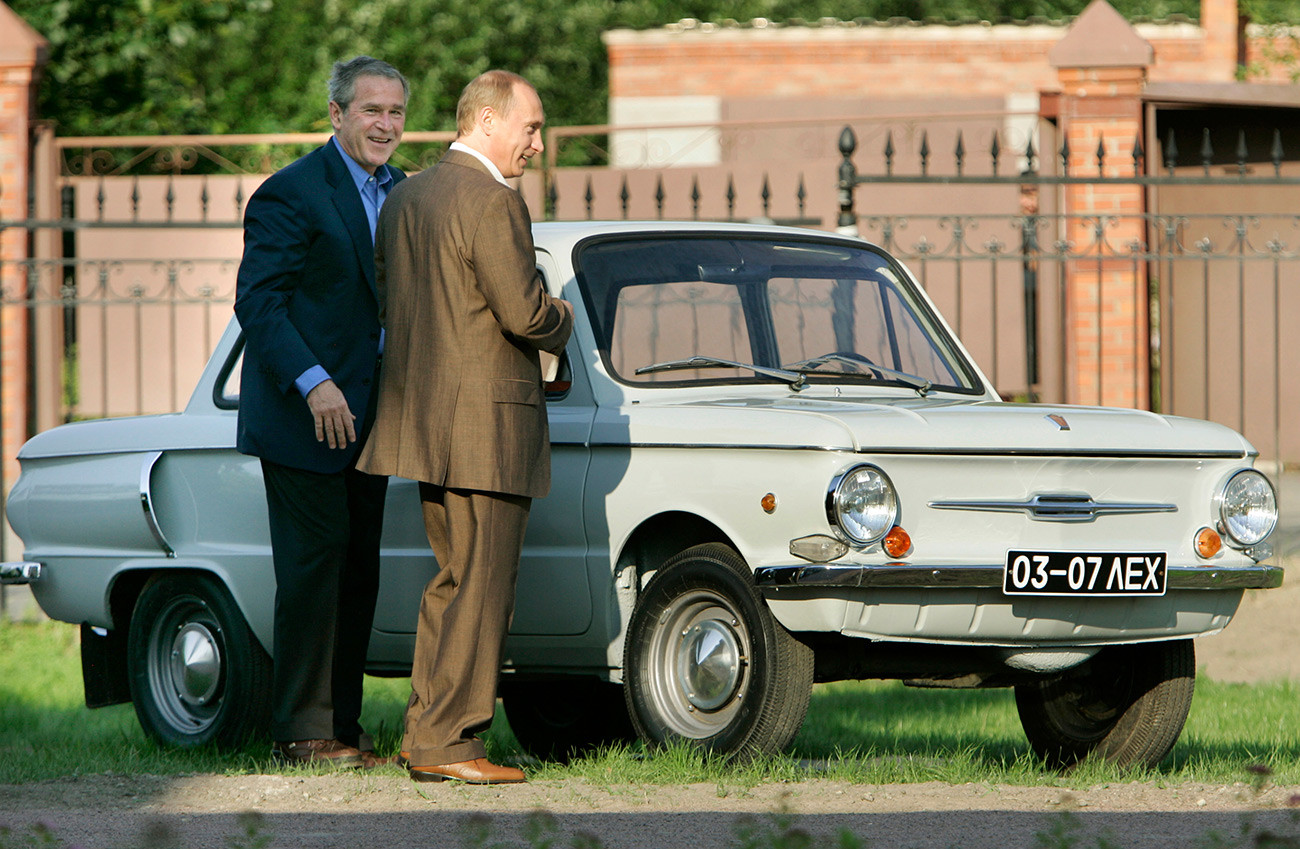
column 365, row 381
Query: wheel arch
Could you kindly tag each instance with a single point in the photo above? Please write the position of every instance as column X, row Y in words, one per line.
column 126, row 586
column 661, row 536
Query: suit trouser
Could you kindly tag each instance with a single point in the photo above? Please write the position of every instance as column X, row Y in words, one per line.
column 325, row 531
column 464, row 617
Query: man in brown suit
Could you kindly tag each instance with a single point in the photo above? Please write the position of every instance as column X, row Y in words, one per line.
column 462, row 410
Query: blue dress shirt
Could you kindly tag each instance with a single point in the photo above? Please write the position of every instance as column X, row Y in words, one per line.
column 373, row 191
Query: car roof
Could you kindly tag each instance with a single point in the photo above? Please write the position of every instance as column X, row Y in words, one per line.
column 561, row 236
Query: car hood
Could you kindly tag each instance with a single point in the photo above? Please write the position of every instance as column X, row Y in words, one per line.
column 912, row 425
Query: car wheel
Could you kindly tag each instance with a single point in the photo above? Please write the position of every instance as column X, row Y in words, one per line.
column 556, row 720
column 1127, row 704
column 706, row 662
column 198, row 674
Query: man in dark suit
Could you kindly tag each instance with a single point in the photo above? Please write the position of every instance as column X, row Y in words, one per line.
column 461, row 408
column 306, row 301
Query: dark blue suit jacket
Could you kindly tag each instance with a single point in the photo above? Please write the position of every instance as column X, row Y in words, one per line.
column 305, row 295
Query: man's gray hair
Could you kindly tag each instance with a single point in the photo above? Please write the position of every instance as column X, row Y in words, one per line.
column 343, row 79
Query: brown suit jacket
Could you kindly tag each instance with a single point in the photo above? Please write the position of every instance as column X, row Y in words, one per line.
column 460, row 396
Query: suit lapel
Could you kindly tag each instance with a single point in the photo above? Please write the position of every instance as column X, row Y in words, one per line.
column 348, row 203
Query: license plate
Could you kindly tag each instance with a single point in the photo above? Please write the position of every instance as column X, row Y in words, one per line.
column 1103, row 573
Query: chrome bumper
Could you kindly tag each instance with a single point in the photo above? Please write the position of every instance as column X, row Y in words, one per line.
column 903, row 575
column 19, row 572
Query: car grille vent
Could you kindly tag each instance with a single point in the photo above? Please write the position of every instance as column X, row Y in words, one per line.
column 1062, row 507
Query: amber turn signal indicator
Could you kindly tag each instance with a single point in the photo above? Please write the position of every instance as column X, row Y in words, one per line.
column 897, row 542
column 1208, row 542
column 769, row 503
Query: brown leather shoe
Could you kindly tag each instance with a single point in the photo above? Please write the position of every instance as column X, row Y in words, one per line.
column 477, row 771
column 366, row 745
column 328, row 752
column 363, row 742
column 369, row 760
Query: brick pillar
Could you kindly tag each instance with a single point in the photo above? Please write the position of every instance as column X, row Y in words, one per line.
column 22, row 55
column 1101, row 64
column 1219, row 21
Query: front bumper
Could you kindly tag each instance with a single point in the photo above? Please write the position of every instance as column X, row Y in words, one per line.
column 906, row 575
column 20, row 572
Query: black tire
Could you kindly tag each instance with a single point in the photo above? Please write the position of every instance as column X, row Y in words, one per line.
column 560, row 719
column 751, row 695
column 198, row 674
column 1127, row 704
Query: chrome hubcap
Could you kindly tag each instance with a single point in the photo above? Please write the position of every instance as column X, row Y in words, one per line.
column 708, row 664
column 195, row 664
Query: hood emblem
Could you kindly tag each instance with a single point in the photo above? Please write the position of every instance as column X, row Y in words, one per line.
column 1058, row 507
column 1058, row 420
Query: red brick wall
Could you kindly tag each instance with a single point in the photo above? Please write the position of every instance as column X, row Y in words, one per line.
column 15, row 114
column 879, row 62
column 830, row 62
column 897, row 62
column 1263, row 50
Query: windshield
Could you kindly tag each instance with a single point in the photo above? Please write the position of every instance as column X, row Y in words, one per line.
column 829, row 311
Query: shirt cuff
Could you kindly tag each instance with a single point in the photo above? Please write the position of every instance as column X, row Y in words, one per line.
column 310, row 379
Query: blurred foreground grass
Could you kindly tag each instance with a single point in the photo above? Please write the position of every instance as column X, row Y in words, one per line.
column 866, row 732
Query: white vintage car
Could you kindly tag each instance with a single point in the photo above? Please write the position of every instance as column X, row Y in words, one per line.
column 773, row 465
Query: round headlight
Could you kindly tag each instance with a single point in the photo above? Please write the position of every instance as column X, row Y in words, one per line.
column 862, row 503
column 1248, row 507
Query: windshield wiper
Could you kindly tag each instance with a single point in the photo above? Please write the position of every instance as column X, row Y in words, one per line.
column 794, row 378
column 862, row 364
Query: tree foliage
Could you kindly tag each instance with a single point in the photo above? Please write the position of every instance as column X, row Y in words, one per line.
column 214, row 66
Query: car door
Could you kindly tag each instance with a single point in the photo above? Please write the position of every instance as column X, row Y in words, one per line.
column 553, row 594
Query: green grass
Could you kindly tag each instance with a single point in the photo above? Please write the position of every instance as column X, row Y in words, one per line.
column 865, row 732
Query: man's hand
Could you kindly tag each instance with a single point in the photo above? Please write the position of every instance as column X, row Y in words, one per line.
column 567, row 307
column 333, row 418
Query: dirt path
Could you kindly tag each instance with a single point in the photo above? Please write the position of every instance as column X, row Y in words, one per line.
column 388, row 810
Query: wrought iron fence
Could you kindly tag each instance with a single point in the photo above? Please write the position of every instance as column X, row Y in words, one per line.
column 131, row 278
column 1209, row 254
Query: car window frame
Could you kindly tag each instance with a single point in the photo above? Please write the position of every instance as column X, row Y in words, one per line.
column 927, row 316
column 220, row 399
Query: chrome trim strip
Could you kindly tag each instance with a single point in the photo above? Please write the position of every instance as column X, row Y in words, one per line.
column 845, row 449
column 909, row 576
column 146, row 501
column 20, row 572
column 102, row 452
column 1058, row 507
column 1099, row 454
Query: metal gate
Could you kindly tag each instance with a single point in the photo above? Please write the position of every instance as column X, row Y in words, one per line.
column 1210, row 257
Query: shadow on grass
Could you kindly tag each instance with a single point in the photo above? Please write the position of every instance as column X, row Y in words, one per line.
column 459, row 825
column 904, row 733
